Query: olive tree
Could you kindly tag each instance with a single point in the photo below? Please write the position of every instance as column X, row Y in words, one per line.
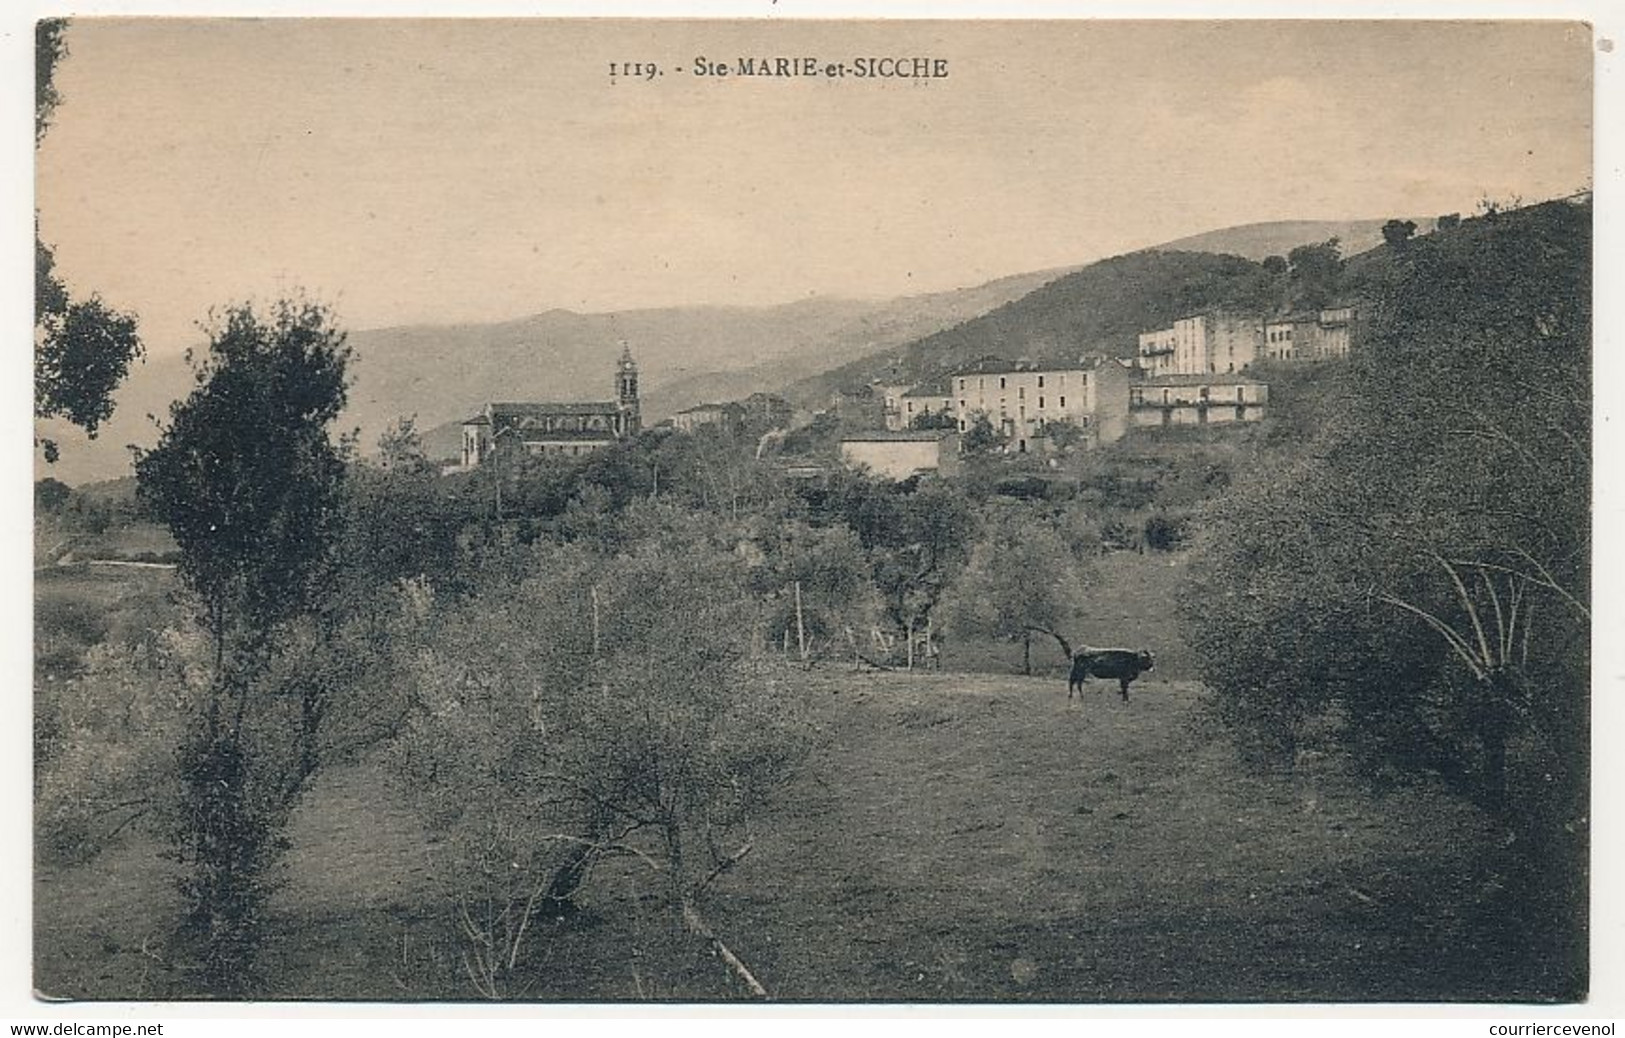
column 1021, row 578
column 604, row 709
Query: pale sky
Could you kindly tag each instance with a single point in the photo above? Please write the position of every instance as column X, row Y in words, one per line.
column 440, row 171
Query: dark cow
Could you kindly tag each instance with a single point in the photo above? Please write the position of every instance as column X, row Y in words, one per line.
column 1123, row 664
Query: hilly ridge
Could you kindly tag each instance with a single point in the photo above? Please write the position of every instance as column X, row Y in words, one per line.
column 1100, row 309
column 441, row 373
column 1103, row 307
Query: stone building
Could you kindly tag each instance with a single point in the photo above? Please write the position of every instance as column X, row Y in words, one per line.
column 1170, row 400
column 1021, row 399
column 901, row 454
column 556, row 428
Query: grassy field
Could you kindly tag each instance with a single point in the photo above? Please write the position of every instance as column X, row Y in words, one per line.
column 957, row 837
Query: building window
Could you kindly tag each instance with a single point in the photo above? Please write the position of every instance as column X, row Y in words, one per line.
column 1001, row 381
column 911, row 407
column 1063, row 399
column 1040, row 403
column 1021, row 392
column 1040, row 381
column 961, row 385
column 962, row 405
column 962, row 425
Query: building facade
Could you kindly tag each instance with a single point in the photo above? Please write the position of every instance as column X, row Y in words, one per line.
column 1221, row 343
column 728, row 416
column 901, row 454
column 556, row 428
column 1021, row 400
column 1170, row 400
column 929, row 398
column 1157, row 350
column 1203, row 344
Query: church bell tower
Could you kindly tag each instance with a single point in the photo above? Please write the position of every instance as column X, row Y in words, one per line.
column 626, row 392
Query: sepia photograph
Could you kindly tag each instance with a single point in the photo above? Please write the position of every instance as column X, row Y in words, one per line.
column 574, row 510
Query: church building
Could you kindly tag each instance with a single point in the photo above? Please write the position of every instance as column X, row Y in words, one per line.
column 567, row 428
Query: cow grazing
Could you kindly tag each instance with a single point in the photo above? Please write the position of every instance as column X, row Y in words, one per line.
column 1123, row 664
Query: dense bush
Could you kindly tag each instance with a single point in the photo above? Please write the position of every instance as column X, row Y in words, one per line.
column 608, row 710
column 1418, row 575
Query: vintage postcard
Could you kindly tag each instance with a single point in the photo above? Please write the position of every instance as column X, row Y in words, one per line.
column 629, row 510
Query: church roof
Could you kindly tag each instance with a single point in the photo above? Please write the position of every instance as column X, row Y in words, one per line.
column 559, row 435
column 529, row 410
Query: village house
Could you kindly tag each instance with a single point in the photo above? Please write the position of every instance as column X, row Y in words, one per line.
column 556, row 428
column 1203, row 344
column 1170, row 400
column 898, row 455
column 1021, row 400
column 904, row 404
column 1322, row 335
column 1219, row 342
column 1156, row 353
column 728, row 416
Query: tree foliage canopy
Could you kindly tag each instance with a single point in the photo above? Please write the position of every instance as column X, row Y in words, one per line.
column 1414, row 579
column 244, row 475
column 83, row 349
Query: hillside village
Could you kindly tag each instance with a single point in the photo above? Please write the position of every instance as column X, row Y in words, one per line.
column 1150, row 341
column 1196, row 372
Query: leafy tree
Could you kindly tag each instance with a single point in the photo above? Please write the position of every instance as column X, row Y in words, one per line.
column 50, row 495
column 818, row 438
column 980, row 438
column 917, row 540
column 543, row 741
column 49, row 50
column 1065, row 433
column 1275, row 266
column 400, row 447
column 82, row 349
column 764, row 412
column 1417, row 583
column 1314, row 272
column 814, row 583
column 934, row 420
column 248, row 483
column 1021, row 578
column 1396, row 233
column 1449, row 222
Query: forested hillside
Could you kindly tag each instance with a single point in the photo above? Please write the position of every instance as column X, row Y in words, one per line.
column 1100, row 309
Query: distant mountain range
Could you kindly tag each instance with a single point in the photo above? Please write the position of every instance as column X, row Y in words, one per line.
column 687, row 355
